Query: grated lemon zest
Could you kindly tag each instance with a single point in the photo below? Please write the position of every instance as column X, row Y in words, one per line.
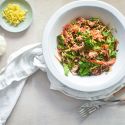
column 14, row 14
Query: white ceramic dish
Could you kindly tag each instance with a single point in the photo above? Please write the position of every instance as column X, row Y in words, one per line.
column 106, row 93
column 111, row 17
column 23, row 25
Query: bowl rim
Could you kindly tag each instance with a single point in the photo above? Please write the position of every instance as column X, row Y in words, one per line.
column 93, row 3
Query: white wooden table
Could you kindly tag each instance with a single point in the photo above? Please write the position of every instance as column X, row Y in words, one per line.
column 38, row 105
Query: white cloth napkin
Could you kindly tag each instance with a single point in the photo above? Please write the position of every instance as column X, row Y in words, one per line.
column 20, row 66
column 13, row 77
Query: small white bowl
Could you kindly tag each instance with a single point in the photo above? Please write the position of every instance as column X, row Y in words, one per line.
column 110, row 16
column 23, row 25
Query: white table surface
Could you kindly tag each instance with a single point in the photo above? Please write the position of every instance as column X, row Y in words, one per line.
column 38, row 105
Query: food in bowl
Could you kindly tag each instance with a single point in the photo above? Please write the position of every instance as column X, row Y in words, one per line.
column 14, row 14
column 86, row 47
column 111, row 17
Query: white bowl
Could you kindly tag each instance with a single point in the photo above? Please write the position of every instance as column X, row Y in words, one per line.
column 23, row 25
column 110, row 16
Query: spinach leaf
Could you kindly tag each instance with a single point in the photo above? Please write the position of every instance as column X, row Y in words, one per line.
column 84, row 69
column 60, row 46
column 66, row 69
column 69, row 56
column 60, row 39
column 104, row 33
column 112, row 53
column 93, row 18
column 96, row 47
column 79, row 33
column 110, row 39
column 88, row 43
column 100, row 57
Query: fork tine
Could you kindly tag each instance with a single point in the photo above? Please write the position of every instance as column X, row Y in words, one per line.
column 86, row 111
column 83, row 109
column 84, row 114
column 92, row 110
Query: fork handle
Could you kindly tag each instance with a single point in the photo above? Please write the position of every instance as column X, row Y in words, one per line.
column 120, row 92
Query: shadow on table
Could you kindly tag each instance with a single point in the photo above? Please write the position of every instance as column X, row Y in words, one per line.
column 12, row 34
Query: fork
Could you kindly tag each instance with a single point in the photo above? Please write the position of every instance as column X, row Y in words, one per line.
column 90, row 107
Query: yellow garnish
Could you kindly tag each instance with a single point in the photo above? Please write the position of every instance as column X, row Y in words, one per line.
column 14, row 14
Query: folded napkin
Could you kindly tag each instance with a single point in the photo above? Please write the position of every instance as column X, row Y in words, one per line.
column 20, row 66
column 13, row 77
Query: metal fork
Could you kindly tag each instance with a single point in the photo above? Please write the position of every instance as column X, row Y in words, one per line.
column 90, row 107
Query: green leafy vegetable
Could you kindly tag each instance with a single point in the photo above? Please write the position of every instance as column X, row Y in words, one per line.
column 93, row 18
column 96, row 47
column 66, row 69
column 112, row 53
column 60, row 39
column 100, row 57
column 79, row 33
column 60, row 46
column 105, row 33
column 88, row 43
column 69, row 55
column 110, row 39
column 84, row 68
